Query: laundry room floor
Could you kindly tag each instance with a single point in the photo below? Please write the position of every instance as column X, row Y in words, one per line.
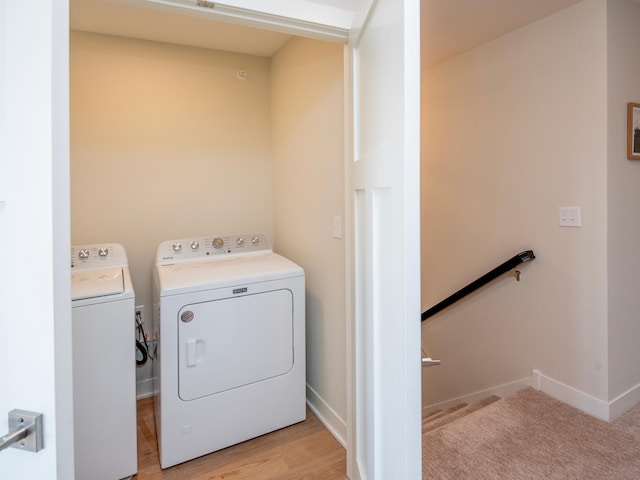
column 305, row 450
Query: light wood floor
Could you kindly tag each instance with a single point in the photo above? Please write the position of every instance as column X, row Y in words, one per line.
column 303, row 451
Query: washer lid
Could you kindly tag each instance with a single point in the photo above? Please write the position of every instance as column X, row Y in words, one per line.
column 96, row 283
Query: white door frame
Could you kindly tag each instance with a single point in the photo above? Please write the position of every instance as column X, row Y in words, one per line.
column 35, row 307
column 383, row 195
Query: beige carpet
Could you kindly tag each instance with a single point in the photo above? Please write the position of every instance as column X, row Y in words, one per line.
column 529, row 435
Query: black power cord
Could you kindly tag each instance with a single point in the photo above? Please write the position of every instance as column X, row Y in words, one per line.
column 140, row 347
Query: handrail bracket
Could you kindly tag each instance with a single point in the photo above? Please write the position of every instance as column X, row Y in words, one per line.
column 428, row 361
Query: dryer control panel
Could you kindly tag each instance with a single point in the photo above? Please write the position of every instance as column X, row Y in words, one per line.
column 214, row 246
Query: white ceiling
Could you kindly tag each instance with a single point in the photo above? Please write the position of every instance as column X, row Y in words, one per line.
column 115, row 18
column 449, row 27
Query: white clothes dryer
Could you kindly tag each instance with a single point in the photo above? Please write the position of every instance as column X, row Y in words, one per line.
column 230, row 326
column 104, row 363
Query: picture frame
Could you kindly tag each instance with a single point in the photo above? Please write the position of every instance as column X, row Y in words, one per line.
column 633, row 131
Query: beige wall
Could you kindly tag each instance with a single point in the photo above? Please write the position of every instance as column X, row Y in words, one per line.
column 308, row 152
column 166, row 143
column 511, row 131
column 623, row 199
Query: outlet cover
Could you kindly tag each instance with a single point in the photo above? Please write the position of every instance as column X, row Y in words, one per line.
column 569, row 217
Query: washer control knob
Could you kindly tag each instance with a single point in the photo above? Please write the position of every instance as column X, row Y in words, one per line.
column 217, row 243
column 177, row 247
column 103, row 252
column 194, row 245
column 255, row 240
column 83, row 253
column 240, row 241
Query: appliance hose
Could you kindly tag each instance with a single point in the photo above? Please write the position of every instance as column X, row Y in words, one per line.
column 141, row 348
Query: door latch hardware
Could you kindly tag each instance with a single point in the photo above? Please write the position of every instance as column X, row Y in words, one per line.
column 25, row 431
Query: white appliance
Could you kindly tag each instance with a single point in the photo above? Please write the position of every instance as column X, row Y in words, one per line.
column 104, row 363
column 230, row 324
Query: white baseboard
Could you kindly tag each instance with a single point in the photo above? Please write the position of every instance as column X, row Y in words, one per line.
column 571, row 396
column 624, row 402
column 500, row 391
column 329, row 418
column 144, row 388
column 601, row 409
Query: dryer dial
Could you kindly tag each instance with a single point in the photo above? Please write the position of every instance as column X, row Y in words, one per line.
column 255, row 240
column 194, row 245
column 83, row 253
column 103, row 252
column 240, row 241
column 217, row 243
column 177, row 247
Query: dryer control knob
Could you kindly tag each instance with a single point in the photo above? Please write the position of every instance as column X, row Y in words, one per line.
column 255, row 240
column 217, row 243
column 194, row 245
column 103, row 252
column 83, row 253
column 240, row 241
column 177, row 247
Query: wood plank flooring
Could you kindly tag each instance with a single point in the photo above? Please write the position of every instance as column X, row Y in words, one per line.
column 302, row 451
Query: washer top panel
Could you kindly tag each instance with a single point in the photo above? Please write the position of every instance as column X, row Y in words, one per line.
column 211, row 247
column 99, row 273
column 96, row 283
column 92, row 257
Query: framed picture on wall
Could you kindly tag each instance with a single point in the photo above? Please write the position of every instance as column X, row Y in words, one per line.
column 633, row 131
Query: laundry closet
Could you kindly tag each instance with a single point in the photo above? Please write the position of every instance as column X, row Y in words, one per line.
column 171, row 141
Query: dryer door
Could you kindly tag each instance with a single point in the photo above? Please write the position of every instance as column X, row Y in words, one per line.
column 232, row 342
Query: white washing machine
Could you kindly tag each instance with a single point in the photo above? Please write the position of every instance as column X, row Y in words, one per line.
column 104, row 363
column 230, row 324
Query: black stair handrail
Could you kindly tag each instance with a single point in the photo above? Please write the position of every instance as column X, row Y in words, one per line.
column 510, row 264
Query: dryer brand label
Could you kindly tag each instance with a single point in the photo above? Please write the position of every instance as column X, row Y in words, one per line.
column 187, row 316
column 239, row 290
